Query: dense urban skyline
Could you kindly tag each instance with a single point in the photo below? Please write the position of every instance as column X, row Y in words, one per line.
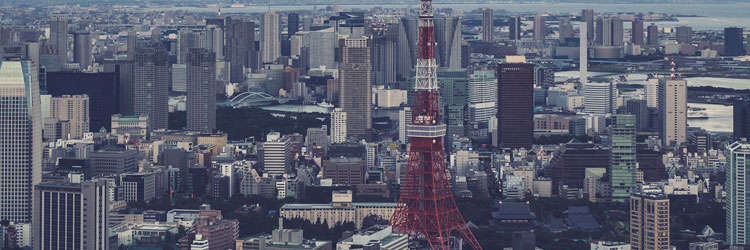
column 321, row 125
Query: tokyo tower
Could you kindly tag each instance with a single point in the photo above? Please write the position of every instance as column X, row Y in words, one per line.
column 426, row 209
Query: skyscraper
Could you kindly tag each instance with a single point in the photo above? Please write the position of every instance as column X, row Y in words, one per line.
column 384, row 57
column 240, row 47
column 741, row 115
column 565, row 29
column 151, row 85
column 649, row 222
column 733, row 41
column 609, row 31
column 355, row 76
column 515, row 108
column 20, row 139
column 588, row 17
column 622, row 157
column 201, row 92
column 673, row 111
column 449, row 40
column 488, row 27
column 684, row 35
column 652, row 35
column 188, row 39
column 58, row 36
column 101, row 89
column 71, row 215
column 215, row 40
column 270, row 42
column 736, row 185
column 482, row 96
column 407, row 51
column 132, row 41
column 540, row 28
column 637, row 32
column 599, row 97
column 514, row 26
column 75, row 110
column 292, row 24
column 82, row 50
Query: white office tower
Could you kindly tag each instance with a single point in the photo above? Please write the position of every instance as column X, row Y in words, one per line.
column 583, row 54
column 652, row 92
column 482, row 96
column 673, row 110
column 736, row 185
column 338, row 126
column 277, row 155
column 404, row 117
column 270, row 37
column 20, row 139
column 599, row 97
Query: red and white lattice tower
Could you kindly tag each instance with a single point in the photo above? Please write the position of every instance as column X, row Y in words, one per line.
column 426, row 209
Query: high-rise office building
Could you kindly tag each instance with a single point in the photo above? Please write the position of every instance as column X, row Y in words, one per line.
column 636, row 29
column 515, row 107
column 82, row 51
column 132, row 41
column 599, row 97
column 123, row 76
column 407, row 43
column 187, row 39
column 482, row 96
column 319, row 48
column 565, row 29
column 355, row 76
column 488, row 26
column 652, row 35
column 651, row 87
column 20, row 139
column 449, row 40
column 75, row 110
column 649, row 222
column 151, row 85
column 453, row 99
column 384, row 56
column 338, row 126
column 741, row 119
column 58, row 36
column 270, row 37
column 733, row 45
column 404, row 118
column 201, row 92
column 215, row 40
column 71, row 215
column 588, row 16
column 736, row 185
column 609, row 31
column 277, row 155
column 622, row 157
column 514, row 26
column 240, row 47
column 101, row 89
column 292, row 24
column 673, row 111
column 684, row 35
column 540, row 28
column 639, row 108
